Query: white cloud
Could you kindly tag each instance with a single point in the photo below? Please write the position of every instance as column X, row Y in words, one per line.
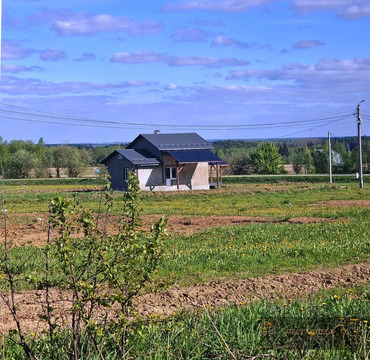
column 52, row 55
column 349, row 9
column 217, row 5
column 70, row 24
column 145, row 57
column 31, row 86
column 171, row 86
column 222, row 40
column 307, row 44
column 190, row 35
column 11, row 50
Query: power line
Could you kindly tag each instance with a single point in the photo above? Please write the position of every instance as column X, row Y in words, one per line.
column 315, row 127
column 85, row 122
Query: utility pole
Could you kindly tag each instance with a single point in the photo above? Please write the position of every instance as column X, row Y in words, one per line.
column 359, row 122
column 330, row 172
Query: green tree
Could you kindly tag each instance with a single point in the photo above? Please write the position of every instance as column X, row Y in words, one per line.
column 20, row 164
column 303, row 161
column 266, row 159
column 70, row 158
column 284, row 152
column 320, row 161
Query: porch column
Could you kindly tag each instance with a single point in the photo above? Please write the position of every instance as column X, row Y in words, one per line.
column 178, row 170
column 218, row 175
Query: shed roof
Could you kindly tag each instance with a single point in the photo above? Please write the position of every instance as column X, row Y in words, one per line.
column 136, row 157
column 195, row 156
column 178, row 141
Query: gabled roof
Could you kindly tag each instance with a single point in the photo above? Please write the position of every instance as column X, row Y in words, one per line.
column 179, row 141
column 136, row 157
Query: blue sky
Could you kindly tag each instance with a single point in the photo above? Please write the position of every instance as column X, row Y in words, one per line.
column 107, row 70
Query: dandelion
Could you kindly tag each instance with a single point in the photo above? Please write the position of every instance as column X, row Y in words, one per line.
column 241, row 303
column 301, row 309
column 336, row 297
column 290, row 300
column 311, row 333
column 168, row 329
column 324, row 303
column 365, row 321
column 285, row 304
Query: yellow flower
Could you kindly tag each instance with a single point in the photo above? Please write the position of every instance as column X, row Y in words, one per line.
column 168, row 329
column 324, row 303
column 301, row 309
column 311, row 333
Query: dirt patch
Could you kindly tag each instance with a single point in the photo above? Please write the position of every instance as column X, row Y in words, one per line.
column 32, row 228
column 216, row 293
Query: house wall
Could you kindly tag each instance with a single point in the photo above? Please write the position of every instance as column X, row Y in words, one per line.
column 116, row 168
column 192, row 177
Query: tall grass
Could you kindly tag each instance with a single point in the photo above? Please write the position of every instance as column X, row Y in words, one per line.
column 237, row 332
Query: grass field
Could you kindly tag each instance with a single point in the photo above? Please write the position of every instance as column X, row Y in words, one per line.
column 300, row 227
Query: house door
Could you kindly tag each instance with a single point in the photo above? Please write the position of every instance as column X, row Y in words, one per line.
column 171, row 174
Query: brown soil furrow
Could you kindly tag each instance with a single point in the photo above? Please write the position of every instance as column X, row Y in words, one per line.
column 216, row 293
column 34, row 230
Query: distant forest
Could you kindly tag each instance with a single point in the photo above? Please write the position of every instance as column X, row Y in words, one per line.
column 23, row 159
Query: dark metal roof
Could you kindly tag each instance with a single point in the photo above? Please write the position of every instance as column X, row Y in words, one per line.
column 194, row 156
column 180, row 141
column 136, row 157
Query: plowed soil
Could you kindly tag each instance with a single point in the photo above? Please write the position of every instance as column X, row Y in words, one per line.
column 295, row 286
column 31, row 228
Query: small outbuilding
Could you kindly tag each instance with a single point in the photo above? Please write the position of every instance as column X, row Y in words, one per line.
column 166, row 162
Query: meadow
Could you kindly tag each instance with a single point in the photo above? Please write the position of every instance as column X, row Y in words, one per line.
column 299, row 227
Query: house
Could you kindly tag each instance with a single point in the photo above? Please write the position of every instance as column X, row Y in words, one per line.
column 166, row 162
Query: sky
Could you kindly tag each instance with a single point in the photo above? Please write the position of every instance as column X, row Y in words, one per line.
column 103, row 71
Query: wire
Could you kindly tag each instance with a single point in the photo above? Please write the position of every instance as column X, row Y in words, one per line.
column 37, row 116
column 299, row 132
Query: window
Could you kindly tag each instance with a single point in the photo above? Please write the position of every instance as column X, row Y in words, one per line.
column 125, row 173
column 171, row 173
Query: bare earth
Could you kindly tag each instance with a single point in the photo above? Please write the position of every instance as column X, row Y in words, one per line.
column 214, row 293
column 31, row 228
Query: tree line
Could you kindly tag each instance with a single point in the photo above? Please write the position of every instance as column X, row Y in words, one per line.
column 308, row 156
column 23, row 159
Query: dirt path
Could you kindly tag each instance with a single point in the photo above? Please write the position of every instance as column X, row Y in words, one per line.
column 215, row 293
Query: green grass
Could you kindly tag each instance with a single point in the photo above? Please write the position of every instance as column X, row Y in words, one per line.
column 234, row 252
column 271, row 201
column 237, row 331
column 308, row 178
column 242, row 251
column 261, row 249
